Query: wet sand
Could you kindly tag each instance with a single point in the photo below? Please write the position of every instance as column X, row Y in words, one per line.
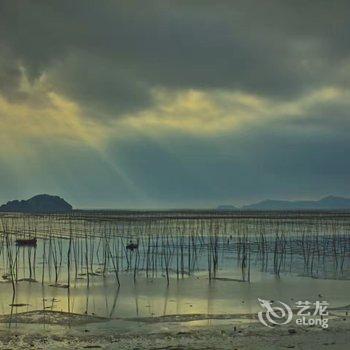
column 190, row 314
column 192, row 332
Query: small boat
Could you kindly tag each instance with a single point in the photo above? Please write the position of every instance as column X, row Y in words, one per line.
column 26, row 242
column 132, row 246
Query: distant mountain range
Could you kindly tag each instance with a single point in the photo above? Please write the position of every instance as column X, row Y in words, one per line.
column 42, row 203
column 326, row 203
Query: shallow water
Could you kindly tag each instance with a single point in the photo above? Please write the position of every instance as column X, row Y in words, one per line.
column 284, row 259
column 192, row 295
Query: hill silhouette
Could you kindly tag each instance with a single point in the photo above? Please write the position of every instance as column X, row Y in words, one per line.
column 42, row 203
column 326, row 203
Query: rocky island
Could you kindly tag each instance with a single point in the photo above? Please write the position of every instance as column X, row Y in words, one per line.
column 42, row 203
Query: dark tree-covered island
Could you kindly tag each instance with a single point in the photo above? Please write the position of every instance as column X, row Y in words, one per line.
column 42, row 203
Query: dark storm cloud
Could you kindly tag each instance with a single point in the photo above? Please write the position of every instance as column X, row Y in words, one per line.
column 108, row 54
column 10, row 76
column 99, row 83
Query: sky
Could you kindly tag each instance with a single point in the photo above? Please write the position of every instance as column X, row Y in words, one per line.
column 174, row 103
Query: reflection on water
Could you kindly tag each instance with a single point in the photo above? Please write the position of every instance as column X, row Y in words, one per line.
column 147, row 298
column 176, row 266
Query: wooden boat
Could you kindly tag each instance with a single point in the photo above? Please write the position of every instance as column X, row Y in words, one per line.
column 131, row 246
column 26, row 242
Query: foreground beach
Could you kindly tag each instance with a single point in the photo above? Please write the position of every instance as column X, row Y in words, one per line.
column 172, row 332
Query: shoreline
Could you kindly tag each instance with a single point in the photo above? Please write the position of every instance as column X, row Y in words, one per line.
column 175, row 332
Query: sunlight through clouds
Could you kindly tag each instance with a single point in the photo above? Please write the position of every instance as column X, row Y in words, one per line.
column 205, row 113
column 55, row 118
column 207, row 102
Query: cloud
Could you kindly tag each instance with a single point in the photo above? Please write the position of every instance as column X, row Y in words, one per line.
column 44, row 115
column 208, row 114
column 108, row 55
column 175, row 102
